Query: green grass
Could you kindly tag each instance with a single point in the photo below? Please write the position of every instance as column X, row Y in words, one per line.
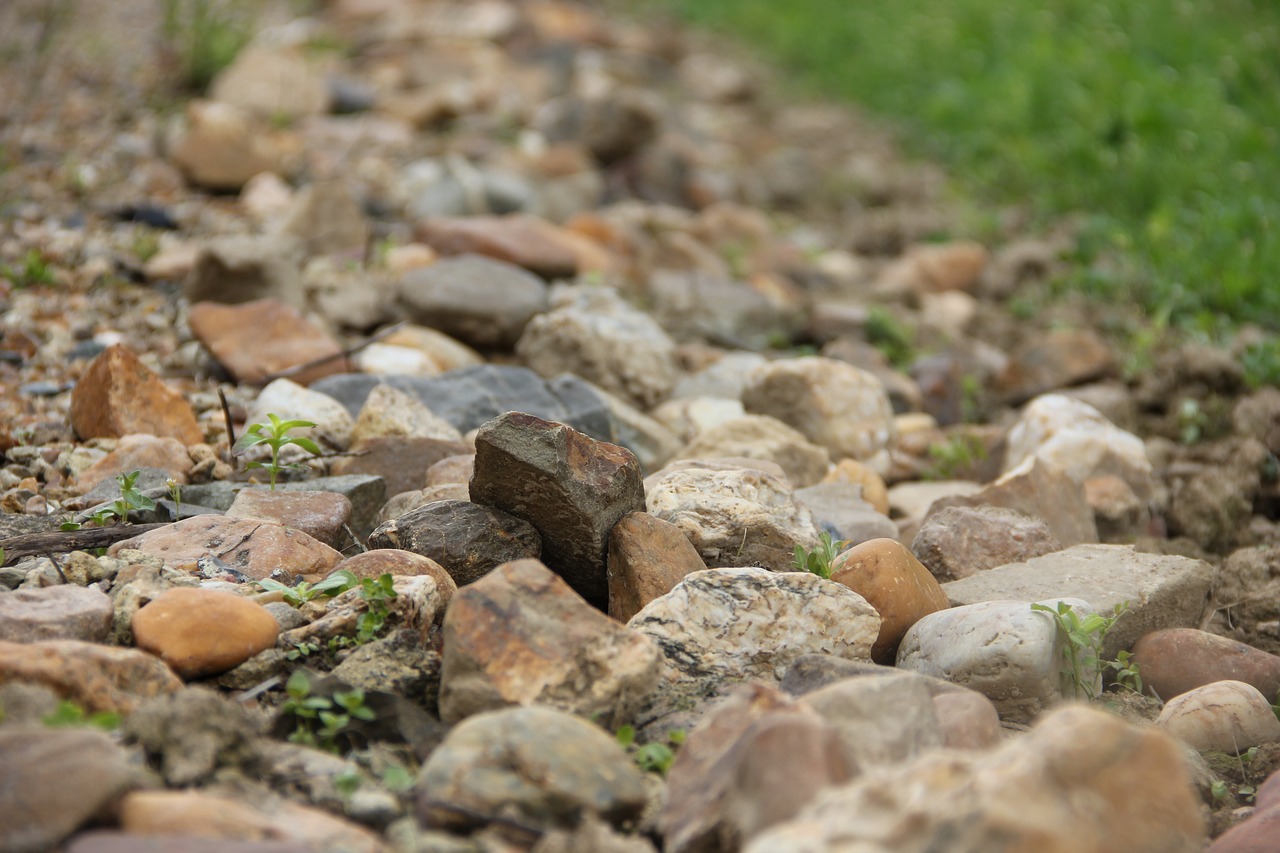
column 1158, row 121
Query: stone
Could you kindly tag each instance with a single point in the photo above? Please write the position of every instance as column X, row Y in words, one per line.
column 967, row 720
column 202, row 632
column 936, row 268
column 762, row 437
column 838, row 508
column 190, row 734
column 252, row 547
column 687, row 417
column 483, row 302
column 523, row 241
column 647, row 557
column 95, row 677
column 755, row 760
column 232, row 270
column 958, row 541
column 393, row 561
column 264, row 337
column 444, row 352
column 1174, row 661
column 1081, row 780
column 1119, row 513
column 724, row 379
column 272, row 83
column 289, row 401
column 417, row 606
column 397, row 663
column 55, row 781
column 55, row 613
column 388, row 411
column 1257, row 832
column 542, row 767
column 1037, row 489
column 1056, row 359
column 895, row 583
column 652, row 442
column 1160, row 591
column 853, row 472
column 750, row 623
column 366, row 493
column 106, row 841
column 220, row 149
column 1225, row 716
column 321, row 515
column 400, row 460
column 712, row 306
column 118, row 395
column 734, row 516
column 467, row 540
column 136, row 452
column 836, row 405
column 1075, row 438
column 909, row 503
column 569, row 486
column 879, row 720
column 452, row 470
column 612, row 127
column 1258, row 416
column 549, row 646
column 326, row 218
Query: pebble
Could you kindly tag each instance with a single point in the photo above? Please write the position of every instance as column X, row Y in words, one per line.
column 647, row 557
column 55, row 613
column 1174, row 661
column 762, row 437
column 327, row 219
column 264, row 337
column 95, row 677
column 119, row 395
column 958, row 541
column 482, row 302
column 200, row 632
column 272, row 82
column 1224, row 716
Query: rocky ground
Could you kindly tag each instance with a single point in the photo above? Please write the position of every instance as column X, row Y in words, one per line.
column 598, row 327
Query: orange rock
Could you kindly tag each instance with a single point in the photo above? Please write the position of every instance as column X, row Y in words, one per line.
column 203, row 631
column 95, row 677
column 138, row 451
column 647, row 558
column 525, row 241
column 257, row 339
column 874, row 490
column 119, row 395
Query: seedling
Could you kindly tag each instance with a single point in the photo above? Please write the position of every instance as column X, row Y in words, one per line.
column 377, row 595
column 652, row 757
column 818, row 561
column 338, row 582
column 954, row 456
column 131, row 498
column 1082, row 644
column 70, row 715
column 322, row 721
column 276, row 436
column 1126, row 670
column 33, row 270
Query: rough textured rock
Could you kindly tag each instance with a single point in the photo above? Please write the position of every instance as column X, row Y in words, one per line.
column 389, row 411
column 1082, row 780
column 238, row 269
column 1176, row 660
column 1161, row 591
column 190, row 734
column 220, row 149
column 321, row 515
column 750, row 623
column 853, row 472
column 570, row 487
column 958, row 541
column 733, row 516
column 520, row 635
column 1225, row 716
column 762, row 437
column 469, row 540
column 401, row 461
column 257, row 339
column 203, row 631
column 543, row 767
column 55, row 613
column 886, row 719
column 483, row 302
column 838, row 508
column 647, row 558
column 895, row 583
column 1057, row 359
column 97, row 678
column 119, row 395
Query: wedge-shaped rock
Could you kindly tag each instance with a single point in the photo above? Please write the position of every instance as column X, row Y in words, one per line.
column 119, row 395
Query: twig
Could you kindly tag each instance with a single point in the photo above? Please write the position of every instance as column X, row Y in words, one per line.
column 58, row 567
column 231, row 431
column 354, row 538
column 62, row 541
column 325, row 359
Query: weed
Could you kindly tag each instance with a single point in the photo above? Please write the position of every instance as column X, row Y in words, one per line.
column 347, row 782
column 377, row 595
column 1082, row 644
column 652, row 757
column 1127, row 674
column 204, row 36
column 1192, row 421
column 301, row 650
column 321, row 721
column 818, row 561
column 118, row 510
column 957, row 454
column 33, row 270
column 335, row 584
column 69, row 714
column 884, row 332
column 1261, row 363
column 146, row 244
column 276, row 435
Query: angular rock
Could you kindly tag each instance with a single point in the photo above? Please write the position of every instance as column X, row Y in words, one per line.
column 288, row 401
column 135, row 452
column 220, row 148
column 95, row 677
column 885, row 719
column 483, row 302
column 326, row 219
column 1059, row 358
column 118, row 395
column 895, row 583
column 400, row 460
column 570, row 487
column 1161, row 591
column 958, row 541
column 549, row 647
column 264, row 337
column 1176, row 660
column 367, row 495
column 232, row 270
column 855, row 473
column 321, row 515
column 733, row 516
column 388, row 411
column 467, row 539
column 909, row 503
column 524, row 241
column 542, row 767
column 1119, row 513
column 55, row 613
column 272, row 83
column 1225, row 716
column 203, row 631
column 647, row 558
column 766, row 438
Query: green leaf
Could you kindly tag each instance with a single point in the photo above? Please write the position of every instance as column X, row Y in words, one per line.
column 626, row 736
column 249, row 439
column 307, row 445
column 338, row 582
column 299, row 685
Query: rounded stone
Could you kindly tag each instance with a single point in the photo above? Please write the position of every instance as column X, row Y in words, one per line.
column 1177, row 660
column 1226, row 716
column 55, row 613
column 203, row 631
column 874, row 490
column 895, row 583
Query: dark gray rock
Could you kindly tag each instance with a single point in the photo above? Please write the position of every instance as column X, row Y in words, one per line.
column 479, row 300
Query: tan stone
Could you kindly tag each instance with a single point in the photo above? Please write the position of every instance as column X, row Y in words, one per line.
column 393, row 561
column 119, row 395
column 63, row 612
column 647, row 558
column 321, row 515
column 95, row 677
column 445, row 352
column 895, row 583
column 138, row 451
column 272, row 82
column 388, row 411
column 452, row 470
column 221, row 149
column 254, row 340
column 203, row 631
column 525, row 241
column 874, row 490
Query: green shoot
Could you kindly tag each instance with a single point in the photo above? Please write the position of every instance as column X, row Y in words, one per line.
column 276, row 436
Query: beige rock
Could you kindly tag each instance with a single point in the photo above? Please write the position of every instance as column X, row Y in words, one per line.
column 766, row 438
column 895, row 583
column 321, row 515
column 288, row 400
column 55, row 613
column 874, row 490
column 445, row 352
column 452, row 469
column 402, row 461
column 95, row 677
column 327, row 219
column 1059, row 358
column 388, row 411
column 1225, row 716
column 254, row 340
column 138, row 451
column 221, row 149
column 203, row 631
column 967, row 719
column 883, row 719
column 119, row 395
column 688, row 417
column 272, row 83
column 647, row 558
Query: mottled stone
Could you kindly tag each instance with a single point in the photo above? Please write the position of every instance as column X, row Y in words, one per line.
column 1225, row 716
column 55, row 613
column 401, row 461
column 95, row 677
column 203, row 631
column 762, row 437
column 393, row 561
column 118, row 395
column 261, row 338
column 321, row 515
column 958, row 541
column 483, row 302
column 389, row 411
column 1176, row 660
column 647, row 558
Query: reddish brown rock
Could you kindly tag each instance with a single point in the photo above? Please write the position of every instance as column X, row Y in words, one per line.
column 895, row 583
column 1176, row 660
column 968, row 720
column 138, row 451
column 393, row 561
column 647, row 558
column 1057, row 359
column 400, row 460
column 97, row 678
column 958, row 541
column 55, row 613
column 321, row 515
column 203, row 631
column 525, row 241
column 254, row 340
column 252, row 547
column 119, row 395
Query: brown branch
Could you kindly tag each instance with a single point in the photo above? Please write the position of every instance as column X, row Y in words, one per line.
column 325, row 359
column 231, row 430
column 62, row 541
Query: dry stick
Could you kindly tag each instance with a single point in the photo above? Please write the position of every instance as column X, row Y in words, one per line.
column 62, row 541
column 325, row 359
column 231, row 431
column 58, row 566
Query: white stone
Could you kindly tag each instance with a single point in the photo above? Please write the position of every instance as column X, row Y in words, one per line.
column 688, row 417
column 390, row 411
column 762, row 437
column 1225, row 716
column 288, row 401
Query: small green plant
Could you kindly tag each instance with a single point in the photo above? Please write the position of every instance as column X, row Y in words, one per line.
column 652, row 757
column 818, row 561
column 301, row 650
column 1082, row 644
column 33, row 270
column 69, row 715
column 131, row 498
column 1127, row 673
column 1192, row 421
column 1261, row 363
column 322, row 721
column 337, row 583
column 347, row 782
column 954, row 456
column 146, row 244
column 203, row 36
column 276, row 436
column 884, row 332
column 377, row 595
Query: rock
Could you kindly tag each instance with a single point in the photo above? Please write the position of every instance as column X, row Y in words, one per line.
column 484, row 302
column 388, row 411
column 118, row 395
column 366, row 494
column 882, row 719
column 257, row 339
column 967, row 720
column 935, row 268
column 444, row 353
column 909, row 503
column 1057, row 359
column 232, row 270
column 706, row 306
column 542, row 767
column 756, row 759
column 1257, row 832
column 1031, row 793
column 750, row 623
column 839, row 509
column 1003, row 649
column 290, row 401
column 591, row 332
column 1161, row 591
column 548, row 647
column 687, row 417
column 203, row 631
column 397, row 663
column 252, row 547
column 1075, row 438
column 97, row 678
column 190, row 734
column 724, row 379
column 220, row 149
column 853, row 472
column 895, row 583
column 1176, row 660
column 135, row 452
column 452, row 470
column 1258, row 416
column 647, row 557
column 836, row 405
column 524, row 241
column 418, row 603
column 1225, row 716
column 55, row 613
column 393, row 561
column 1119, row 513
column 106, row 841
column 1037, row 489
column 733, row 516
column 326, row 219
column 612, row 127
column 762, row 437
column 321, row 515
column 55, row 781
column 1212, row 501
column 272, row 83
column 592, row 836
column 958, row 541
column 467, row 539
column 401, row 461
column 651, row 442
column 570, row 487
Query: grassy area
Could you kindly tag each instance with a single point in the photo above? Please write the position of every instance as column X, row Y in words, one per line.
column 1158, row 121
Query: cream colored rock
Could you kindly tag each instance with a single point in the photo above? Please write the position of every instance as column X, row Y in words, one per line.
column 390, row 411
column 290, row 401
column 221, row 149
column 1224, row 716
column 688, row 417
column 272, row 83
column 762, row 437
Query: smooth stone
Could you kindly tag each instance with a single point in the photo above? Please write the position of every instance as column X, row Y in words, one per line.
column 523, row 241
column 967, row 720
column 95, row 677
column 445, row 352
column 264, row 337
column 202, row 632
column 119, row 395
column 838, row 508
column 221, row 149
column 1177, row 660
column 55, row 613
column 958, row 541
column 762, row 437
column 290, row 401
column 483, row 302
column 401, row 461
column 647, row 557
column 394, row 561
column 1225, row 716
column 452, row 470
column 321, row 515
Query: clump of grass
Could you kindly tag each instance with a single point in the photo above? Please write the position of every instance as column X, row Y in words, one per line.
column 32, row 270
column 204, row 36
